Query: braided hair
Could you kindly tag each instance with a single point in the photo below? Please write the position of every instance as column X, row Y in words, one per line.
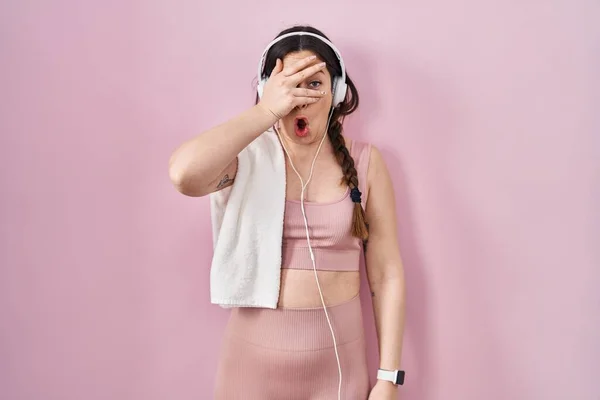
column 350, row 178
column 348, row 106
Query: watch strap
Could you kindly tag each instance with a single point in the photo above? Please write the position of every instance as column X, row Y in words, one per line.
column 396, row 376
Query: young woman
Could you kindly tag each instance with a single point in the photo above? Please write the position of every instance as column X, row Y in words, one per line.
column 289, row 352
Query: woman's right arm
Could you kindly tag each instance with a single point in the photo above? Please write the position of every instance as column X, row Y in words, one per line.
column 208, row 162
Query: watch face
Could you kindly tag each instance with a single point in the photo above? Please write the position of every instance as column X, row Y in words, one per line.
column 399, row 378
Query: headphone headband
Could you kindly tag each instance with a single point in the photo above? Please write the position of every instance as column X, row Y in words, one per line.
column 302, row 33
column 338, row 82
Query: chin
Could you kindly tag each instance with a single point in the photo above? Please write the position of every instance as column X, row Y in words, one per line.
column 308, row 137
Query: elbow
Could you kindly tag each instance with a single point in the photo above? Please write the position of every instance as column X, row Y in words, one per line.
column 179, row 176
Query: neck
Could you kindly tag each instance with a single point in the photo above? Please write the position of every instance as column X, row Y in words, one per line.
column 304, row 152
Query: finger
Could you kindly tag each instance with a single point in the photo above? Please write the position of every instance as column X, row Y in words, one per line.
column 305, row 73
column 292, row 69
column 277, row 69
column 305, row 92
column 305, row 100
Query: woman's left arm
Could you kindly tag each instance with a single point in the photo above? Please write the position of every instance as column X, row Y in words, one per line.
column 385, row 271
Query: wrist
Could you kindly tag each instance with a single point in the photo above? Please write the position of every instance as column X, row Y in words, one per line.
column 268, row 114
column 394, row 376
column 388, row 384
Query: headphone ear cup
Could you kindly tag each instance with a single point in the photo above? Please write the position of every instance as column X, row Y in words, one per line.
column 260, row 87
column 339, row 91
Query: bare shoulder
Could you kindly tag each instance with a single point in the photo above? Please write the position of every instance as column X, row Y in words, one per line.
column 349, row 143
column 383, row 258
column 379, row 184
column 376, row 163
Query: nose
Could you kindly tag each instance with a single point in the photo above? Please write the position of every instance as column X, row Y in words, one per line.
column 302, row 106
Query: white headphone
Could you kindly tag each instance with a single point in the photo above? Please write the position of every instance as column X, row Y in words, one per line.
column 339, row 94
column 339, row 82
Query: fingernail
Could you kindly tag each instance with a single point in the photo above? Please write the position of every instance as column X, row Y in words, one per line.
column 312, row 57
column 322, row 64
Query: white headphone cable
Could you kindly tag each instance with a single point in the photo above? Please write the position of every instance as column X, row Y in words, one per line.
column 312, row 256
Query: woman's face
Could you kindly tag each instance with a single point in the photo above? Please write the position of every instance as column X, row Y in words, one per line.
column 306, row 124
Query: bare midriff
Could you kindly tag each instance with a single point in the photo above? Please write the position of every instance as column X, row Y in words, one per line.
column 299, row 287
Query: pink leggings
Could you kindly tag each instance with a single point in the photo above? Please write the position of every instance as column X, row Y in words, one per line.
column 288, row 354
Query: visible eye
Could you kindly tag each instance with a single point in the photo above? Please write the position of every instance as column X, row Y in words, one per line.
column 314, row 84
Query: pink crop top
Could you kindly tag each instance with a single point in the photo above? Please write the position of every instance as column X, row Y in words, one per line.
column 329, row 224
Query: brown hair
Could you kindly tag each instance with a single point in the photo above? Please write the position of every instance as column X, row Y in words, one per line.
column 348, row 106
column 359, row 223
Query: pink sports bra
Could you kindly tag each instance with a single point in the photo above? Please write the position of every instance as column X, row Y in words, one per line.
column 330, row 224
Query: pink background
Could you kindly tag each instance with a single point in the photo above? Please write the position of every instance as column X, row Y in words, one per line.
column 486, row 113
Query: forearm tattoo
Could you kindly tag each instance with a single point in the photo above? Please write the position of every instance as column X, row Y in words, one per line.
column 224, row 182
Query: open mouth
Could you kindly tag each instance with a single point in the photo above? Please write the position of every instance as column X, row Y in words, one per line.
column 301, row 126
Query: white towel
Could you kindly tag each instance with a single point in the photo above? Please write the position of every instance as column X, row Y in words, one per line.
column 247, row 223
